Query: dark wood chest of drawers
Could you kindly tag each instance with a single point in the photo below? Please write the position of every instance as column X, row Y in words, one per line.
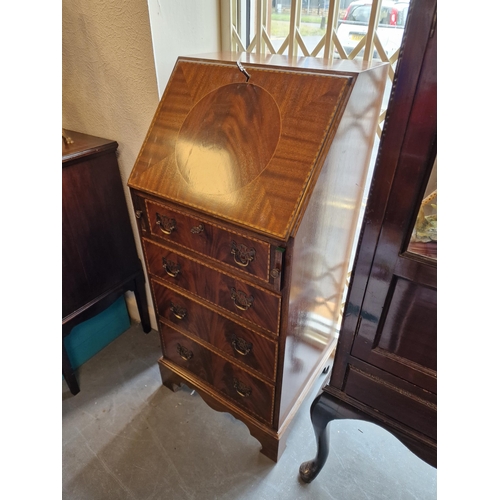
column 99, row 256
column 247, row 193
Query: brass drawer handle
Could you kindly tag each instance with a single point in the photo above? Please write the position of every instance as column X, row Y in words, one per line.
column 184, row 352
column 242, row 389
column 241, row 300
column 167, row 225
column 198, row 229
column 242, row 254
column 171, row 268
column 241, row 346
column 179, row 312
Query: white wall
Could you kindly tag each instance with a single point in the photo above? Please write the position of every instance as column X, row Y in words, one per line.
column 109, row 77
column 182, row 28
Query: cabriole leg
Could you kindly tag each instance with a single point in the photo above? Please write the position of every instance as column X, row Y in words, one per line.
column 321, row 415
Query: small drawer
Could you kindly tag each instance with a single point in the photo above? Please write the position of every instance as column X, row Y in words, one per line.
column 252, row 303
column 246, row 391
column 250, row 348
column 243, row 253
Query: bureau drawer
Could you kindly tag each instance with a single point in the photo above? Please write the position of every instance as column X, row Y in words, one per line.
column 250, row 302
column 250, row 348
column 245, row 254
column 234, row 383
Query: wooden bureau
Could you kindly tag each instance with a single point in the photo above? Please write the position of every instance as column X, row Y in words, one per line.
column 247, row 192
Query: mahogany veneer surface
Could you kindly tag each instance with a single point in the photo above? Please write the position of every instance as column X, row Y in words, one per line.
column 247, row 196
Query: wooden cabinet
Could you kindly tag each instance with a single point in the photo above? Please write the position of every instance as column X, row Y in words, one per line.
column 385, row 368
column 100, row 259
column 248, row 190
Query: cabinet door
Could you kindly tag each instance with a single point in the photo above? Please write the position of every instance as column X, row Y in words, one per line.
column 396, row 329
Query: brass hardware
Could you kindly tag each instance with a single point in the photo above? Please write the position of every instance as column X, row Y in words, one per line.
column 167, row 225
column 242, row 254
column 171, row 268
column 67, row 139
column 241, row 388
column 184, row 352
column 243, row 70
column 241, row 346
column 241, row 300
column 275, row 273
column 179, row 312
column 198, row 229
column 138, row 214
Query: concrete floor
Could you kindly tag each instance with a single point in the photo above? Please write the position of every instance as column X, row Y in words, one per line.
column 125, row 436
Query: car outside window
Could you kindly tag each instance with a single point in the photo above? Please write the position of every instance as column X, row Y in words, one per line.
column 360, row 14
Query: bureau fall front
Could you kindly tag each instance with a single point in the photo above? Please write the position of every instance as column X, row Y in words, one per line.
column 247, row 192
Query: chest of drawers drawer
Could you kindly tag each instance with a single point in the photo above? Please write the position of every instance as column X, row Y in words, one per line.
column 250, row 348
column 254, row 304
column 248, row 255
column 234, row 383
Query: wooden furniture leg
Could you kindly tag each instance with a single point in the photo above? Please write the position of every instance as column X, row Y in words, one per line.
column 321, row 416
column 137, row 285
column 327, row 407
column 142, row 304
column 69, row 374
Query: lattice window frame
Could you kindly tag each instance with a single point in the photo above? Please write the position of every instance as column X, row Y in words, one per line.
column 261, row 41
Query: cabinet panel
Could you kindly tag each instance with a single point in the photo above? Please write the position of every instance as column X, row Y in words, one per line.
column 409, row 329
column 98, row 246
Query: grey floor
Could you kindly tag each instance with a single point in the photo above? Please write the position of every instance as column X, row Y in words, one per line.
column 125, row 436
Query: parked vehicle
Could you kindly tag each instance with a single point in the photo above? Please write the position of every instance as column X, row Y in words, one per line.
column 354, row 25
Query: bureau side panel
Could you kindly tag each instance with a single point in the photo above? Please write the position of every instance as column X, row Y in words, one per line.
column 324, row 239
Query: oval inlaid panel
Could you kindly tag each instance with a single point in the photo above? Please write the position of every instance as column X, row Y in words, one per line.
column 228, row 138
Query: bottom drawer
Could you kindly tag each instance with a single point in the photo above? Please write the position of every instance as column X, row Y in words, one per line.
column 253, row 395
column 398, row 404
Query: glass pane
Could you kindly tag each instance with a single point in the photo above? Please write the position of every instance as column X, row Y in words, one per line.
column 354, row 17
column 424, row 235
column 312, row 27
column 313, row 20
column 279, row 25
